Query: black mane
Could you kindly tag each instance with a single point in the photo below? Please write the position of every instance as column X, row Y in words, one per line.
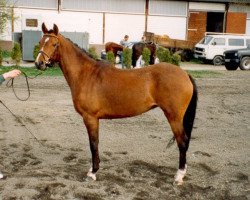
column 82, row 50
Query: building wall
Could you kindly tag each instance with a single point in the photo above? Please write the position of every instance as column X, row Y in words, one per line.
column 248, row 24
column 168, row 18
column 197, row 25
column 118, row 25
column 236, row 22
column 110, row 20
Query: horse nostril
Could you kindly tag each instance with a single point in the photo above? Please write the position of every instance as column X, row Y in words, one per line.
column 38, row 63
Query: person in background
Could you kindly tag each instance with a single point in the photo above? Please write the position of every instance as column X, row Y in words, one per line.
column 11, row 74
column 125, row 42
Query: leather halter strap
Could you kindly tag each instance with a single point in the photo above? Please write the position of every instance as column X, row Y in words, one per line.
column 49, row 35
column 44, row 53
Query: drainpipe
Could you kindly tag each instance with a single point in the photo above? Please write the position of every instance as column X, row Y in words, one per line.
column 225, row 18
column 59, row 7
column 103, row 28
column 146, row 15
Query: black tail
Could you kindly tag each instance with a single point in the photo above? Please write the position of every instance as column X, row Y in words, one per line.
column 189, row 116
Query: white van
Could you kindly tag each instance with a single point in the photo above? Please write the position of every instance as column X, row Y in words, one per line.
column 212, row 47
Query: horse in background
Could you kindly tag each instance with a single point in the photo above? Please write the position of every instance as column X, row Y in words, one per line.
column 137, row 52
column 114, row 47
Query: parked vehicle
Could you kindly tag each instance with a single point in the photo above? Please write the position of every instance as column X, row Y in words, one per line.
column 237, row 58
column 212, row 47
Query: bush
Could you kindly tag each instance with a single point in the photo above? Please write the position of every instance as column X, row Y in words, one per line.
column 127, row 58
column 92, row 52
column 16, row 53
column 176, row 59
column 146, row 56
column 163, row 54
column 36, row 51
column 110, row 57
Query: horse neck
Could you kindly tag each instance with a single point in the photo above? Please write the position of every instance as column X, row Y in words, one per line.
column 73, row 62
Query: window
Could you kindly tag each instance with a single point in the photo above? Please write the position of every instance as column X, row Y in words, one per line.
column 219, row 41
column 248, row 42
column 206, row 40
column 236, row 42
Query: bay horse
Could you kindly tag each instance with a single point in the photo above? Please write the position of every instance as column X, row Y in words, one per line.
column 114, row 47
column 100, row 91
column 137, row 51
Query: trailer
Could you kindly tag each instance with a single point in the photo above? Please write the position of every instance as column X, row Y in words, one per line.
column 183, row 47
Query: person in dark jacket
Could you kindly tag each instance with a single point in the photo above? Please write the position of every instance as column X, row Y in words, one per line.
column 11, row 74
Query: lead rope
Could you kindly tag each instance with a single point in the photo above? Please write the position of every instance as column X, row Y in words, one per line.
column 19, row 121
column 10, row 83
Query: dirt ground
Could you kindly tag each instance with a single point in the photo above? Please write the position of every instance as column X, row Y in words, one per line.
column 135, row 163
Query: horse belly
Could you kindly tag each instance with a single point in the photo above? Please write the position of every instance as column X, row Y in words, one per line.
column 127, row 107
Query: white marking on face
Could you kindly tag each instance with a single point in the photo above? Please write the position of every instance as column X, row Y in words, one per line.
column 46, row 40
column 38, row 56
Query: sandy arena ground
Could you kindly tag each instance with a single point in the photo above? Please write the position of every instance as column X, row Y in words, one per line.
column 135, row 163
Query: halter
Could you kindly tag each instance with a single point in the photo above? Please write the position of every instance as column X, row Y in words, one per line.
column 43, row 53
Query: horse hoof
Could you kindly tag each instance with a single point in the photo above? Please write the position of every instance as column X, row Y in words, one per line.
column 88, row 179
column 178, row 182
column 178, row 179
column 91, row 175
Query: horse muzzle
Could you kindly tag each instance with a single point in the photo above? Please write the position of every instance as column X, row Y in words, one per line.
column 41, row 65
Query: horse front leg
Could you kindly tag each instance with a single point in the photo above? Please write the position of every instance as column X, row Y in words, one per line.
column 92, row 125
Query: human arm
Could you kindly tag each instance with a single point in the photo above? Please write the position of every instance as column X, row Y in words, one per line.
column 11, row 74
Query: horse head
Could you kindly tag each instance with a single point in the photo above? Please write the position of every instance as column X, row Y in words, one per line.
column 48, row 47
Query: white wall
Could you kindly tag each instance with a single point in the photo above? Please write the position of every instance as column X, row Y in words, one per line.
column 66, row 21
column 118, row 25
column 174, row 27
column 219, row 7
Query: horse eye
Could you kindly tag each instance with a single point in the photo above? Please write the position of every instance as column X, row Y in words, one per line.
column 54, row 45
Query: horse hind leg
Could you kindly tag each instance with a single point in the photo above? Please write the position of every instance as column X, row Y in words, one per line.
column 183, row 142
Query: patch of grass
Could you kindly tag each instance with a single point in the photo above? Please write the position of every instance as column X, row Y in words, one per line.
column 196, row 60
column 32, row 71
column 204, row 73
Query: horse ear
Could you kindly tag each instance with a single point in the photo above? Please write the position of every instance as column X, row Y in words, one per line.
column 44, row 29
column 55, row 29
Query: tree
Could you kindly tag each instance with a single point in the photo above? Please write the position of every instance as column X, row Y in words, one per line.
column 5, row 15
column 16, row 53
